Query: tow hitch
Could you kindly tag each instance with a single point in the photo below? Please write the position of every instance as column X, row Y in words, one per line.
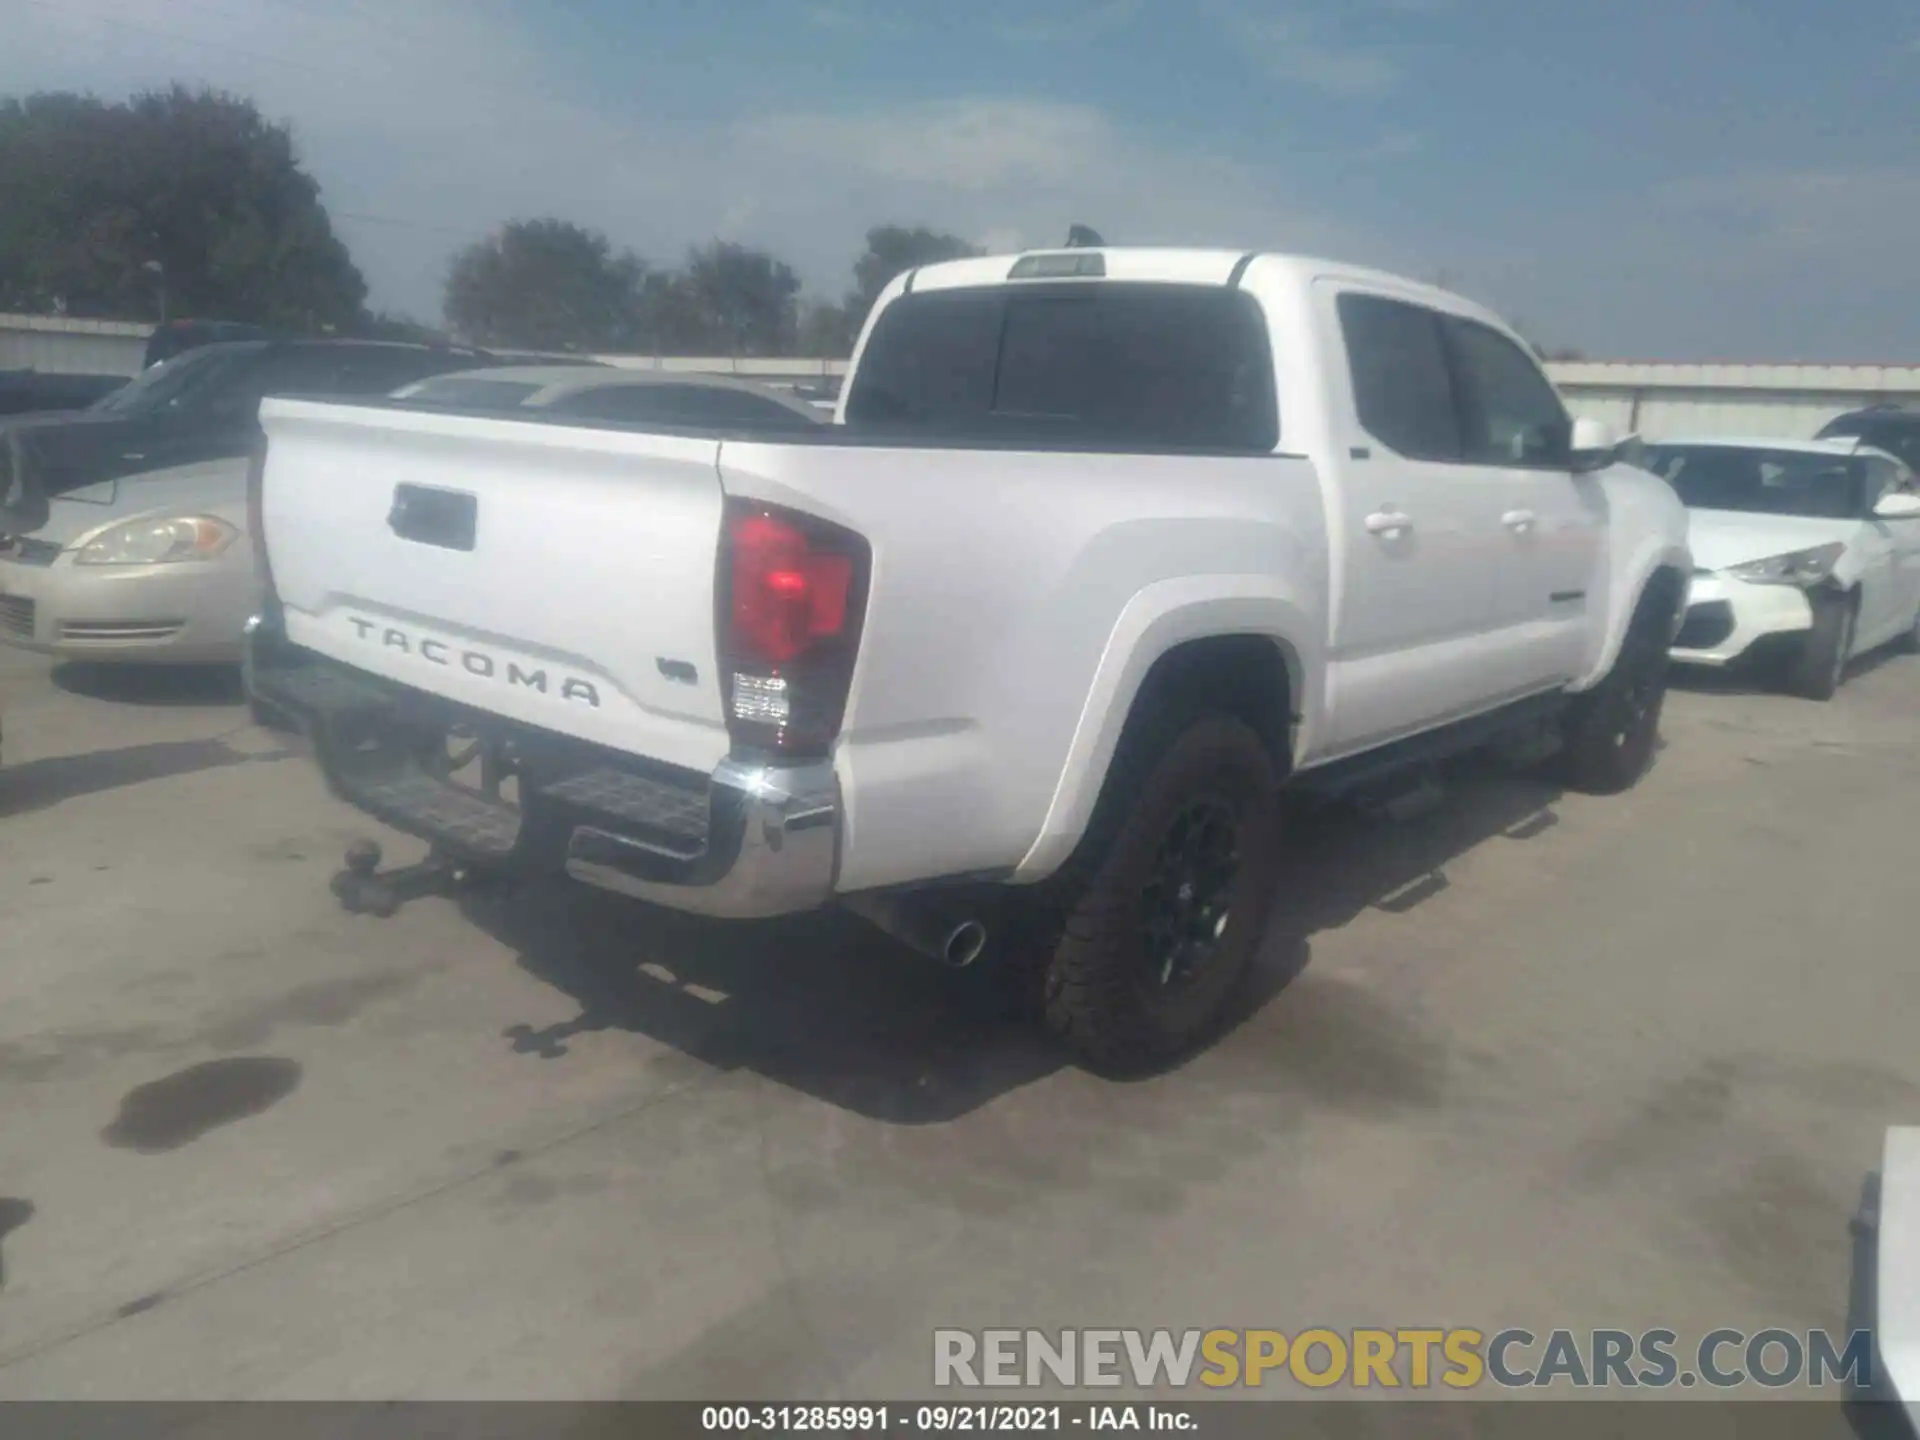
column 362, row 888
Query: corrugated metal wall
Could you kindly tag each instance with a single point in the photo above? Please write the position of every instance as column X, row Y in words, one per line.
column 57, row 346
column 1660, row 400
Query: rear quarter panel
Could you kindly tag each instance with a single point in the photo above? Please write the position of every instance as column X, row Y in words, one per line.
column 1017, row 600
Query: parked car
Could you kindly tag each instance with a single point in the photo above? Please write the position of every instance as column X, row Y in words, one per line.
column 1892, row 428
column 1110, row 545
column 22, row 391
column 152, row 568
column 176, row 337
column 1808, row 553
column 642, row 396
column 197, row 406
column 155, row 567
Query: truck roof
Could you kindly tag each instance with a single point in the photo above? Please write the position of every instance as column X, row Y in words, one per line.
column 1188, row 266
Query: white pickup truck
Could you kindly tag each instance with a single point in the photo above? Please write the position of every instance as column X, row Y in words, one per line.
column 1107, row 545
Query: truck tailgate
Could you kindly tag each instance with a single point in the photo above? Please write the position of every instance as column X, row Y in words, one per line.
column 555, row 575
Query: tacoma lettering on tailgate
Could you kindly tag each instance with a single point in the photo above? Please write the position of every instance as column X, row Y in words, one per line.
column 476, row 662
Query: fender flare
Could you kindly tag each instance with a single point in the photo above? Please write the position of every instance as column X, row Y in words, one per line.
column 1157, row 619
column 1649, row 560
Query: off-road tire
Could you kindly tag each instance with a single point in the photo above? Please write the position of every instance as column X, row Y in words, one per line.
column 269, row 718
column 1819, row 667
column 1613, row 729
column 1099, row 993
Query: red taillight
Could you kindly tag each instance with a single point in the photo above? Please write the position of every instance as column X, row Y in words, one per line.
column 792, row 598
column 786, row 593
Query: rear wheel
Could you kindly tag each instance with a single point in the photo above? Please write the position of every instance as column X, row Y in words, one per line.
column 1818, row 669
column 1154, row 942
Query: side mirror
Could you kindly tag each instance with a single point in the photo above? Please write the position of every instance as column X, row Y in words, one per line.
column 1595, row 444
column 1898, row 505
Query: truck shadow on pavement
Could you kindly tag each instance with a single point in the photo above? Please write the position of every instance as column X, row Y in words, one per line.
column 172, row 685
column 38, row 784
column 827, row 1006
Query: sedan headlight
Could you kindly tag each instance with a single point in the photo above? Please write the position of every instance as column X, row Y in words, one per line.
column 1797, row 567
column 159, row 542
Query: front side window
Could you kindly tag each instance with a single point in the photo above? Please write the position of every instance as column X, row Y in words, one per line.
column 1402, row 391
column 1758, row 481
column 1510, row 413
column 1102, row 364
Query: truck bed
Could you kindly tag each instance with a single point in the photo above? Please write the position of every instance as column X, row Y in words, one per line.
column 583, row 601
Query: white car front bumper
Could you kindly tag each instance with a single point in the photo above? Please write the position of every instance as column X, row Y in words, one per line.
column 1725, row 617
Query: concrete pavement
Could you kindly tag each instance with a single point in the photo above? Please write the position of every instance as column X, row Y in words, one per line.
column 1529, row 1059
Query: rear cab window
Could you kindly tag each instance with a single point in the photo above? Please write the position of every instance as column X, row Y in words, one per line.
column 1101, row 364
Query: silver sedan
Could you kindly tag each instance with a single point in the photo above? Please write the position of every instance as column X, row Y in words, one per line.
column 157, row 568
column 154, row 568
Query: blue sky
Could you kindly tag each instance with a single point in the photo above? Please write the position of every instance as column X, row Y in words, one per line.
column 1700, row 179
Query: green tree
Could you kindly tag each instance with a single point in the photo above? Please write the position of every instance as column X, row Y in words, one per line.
column 183, row 202
column 890, row 250
column 546, row 285
column 388, row 325
column 739, row 301
column 826, row 330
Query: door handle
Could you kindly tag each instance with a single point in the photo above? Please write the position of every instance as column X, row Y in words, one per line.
column 1519, row 521
column 1388, row 522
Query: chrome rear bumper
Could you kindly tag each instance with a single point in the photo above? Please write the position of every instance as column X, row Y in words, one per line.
column 750, row 840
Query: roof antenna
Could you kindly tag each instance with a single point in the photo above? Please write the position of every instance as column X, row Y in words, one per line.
column 1083, row 237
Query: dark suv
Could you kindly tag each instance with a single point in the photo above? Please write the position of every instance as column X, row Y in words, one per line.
column 1892, row 428
column 202, row 404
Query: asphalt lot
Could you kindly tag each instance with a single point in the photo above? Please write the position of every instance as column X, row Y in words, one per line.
column 1528, row 1059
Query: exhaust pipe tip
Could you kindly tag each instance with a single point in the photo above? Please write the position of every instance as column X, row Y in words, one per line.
column 953, row 940
column 964, row 944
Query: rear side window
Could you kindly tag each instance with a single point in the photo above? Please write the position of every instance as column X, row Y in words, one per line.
column 1102, row 364
column 1402, row 390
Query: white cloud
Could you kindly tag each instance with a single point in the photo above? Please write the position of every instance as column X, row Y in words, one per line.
column 1006, row 170
column 1811, row 212
column 438, row 120
column 1786, row 266
column 1291, row 48
column 975, row 145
